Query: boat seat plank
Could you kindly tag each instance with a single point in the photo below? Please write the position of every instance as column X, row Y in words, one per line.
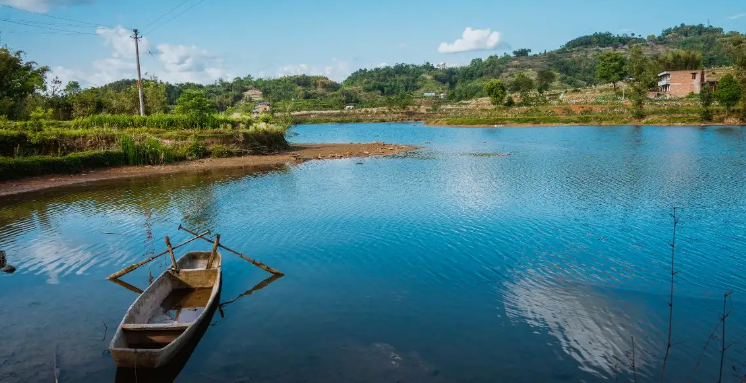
column 156, row 327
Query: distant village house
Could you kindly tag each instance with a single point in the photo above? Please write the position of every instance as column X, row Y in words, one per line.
column 262, row 107
column 681, row 83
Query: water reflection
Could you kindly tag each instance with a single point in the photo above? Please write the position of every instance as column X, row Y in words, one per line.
column 173, row 368
column 591, row 327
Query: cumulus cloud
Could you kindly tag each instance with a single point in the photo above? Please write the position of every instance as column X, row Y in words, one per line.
column 173, row 63
column 336, row 70
column 472, row 40
column 41, row 5
column 737, row 16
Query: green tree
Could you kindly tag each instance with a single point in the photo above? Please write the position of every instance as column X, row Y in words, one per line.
column 681, row 60
column 728, row 92
column 705, row 100
column 194, row 102
column 523, row 52
column 18, row 81
column 544, row 79
column 495, row 89
column 72, row 88
column 155, row 97
column 522, row 83
column 739, row 49
column 644, row 77
column 611, row 68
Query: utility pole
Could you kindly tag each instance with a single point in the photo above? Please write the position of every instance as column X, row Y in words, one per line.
column 139, row 76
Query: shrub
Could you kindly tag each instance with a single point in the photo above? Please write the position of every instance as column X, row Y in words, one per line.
column 196, row 149
column 220, row 151
column 150, row 152
column 12, row 168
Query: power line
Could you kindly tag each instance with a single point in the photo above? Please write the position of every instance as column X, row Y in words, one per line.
column 177, row 15
column 166, row 14
column 51, row 23
column 56, row 17
column 50, row 28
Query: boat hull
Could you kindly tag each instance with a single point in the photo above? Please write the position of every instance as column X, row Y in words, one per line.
column 149, row 337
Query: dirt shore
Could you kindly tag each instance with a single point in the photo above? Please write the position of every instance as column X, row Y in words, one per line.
column 295, row 155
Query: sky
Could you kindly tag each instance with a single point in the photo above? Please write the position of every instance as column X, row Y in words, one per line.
column 206, row 40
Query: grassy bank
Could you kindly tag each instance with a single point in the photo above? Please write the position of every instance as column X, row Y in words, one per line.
column 48, row 147
column 476, row 114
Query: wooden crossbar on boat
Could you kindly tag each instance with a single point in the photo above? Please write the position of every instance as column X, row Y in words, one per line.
column 166, row 315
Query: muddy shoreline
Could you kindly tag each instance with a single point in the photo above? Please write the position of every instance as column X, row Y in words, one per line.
column 296, row 154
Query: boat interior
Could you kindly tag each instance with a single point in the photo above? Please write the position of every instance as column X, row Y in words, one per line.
column 170, row 305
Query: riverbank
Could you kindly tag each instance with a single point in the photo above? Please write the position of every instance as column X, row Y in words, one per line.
column 480, row 113
column 296, row 154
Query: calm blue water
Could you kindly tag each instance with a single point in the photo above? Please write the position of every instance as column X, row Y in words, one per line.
column 448, row 264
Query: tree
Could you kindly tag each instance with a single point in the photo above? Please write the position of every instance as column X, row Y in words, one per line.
column 495, row 89
column 644, row 78
column 739, row 48
column 154, row 96
column 611, row 68
column 72, row 88
column 523, row 52
column 522, row 83
column 705, row 100
column 681, row 60
column 544, row 79
column 728, row 92
column 194, row 102
column 18, row 81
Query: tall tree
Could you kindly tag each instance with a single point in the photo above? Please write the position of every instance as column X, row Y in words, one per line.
column 611, row 68
column 18, row 80
column 644, row 78
column 495, row 89
column 544, row 79
column 728, row 92
column 523, row 52
column 705, row 101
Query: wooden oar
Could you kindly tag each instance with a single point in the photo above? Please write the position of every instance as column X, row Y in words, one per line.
column 253, row 262
column 127, row 286
column 130, row 268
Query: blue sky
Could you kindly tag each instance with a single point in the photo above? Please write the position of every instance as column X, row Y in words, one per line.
column 229, row 38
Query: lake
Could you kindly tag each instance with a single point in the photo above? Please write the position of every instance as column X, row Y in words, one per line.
column 448, row 264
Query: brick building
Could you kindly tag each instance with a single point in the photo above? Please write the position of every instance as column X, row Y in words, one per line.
column 681, row 83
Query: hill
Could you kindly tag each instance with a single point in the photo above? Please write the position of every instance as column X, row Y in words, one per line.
column 572, row 66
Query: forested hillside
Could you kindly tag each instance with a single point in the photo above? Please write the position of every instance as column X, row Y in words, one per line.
column 574, row 65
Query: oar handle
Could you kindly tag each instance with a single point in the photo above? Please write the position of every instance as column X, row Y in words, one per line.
column 252, row 261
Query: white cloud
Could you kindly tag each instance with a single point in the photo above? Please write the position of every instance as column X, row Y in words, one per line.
column 121, row 42
column 336, row 70
column 737, row 16
column 173, row 63
column 40, row 5
column 181, row 63
column 381, row 65
column 472, row 40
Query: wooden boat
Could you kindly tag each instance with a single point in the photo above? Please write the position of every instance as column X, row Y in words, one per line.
column 167, row 315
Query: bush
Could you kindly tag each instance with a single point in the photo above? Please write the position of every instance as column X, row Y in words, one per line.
column 220, row 151
column 12, row 168
column 150, row 152
column 705, row 114
column 196, row 149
